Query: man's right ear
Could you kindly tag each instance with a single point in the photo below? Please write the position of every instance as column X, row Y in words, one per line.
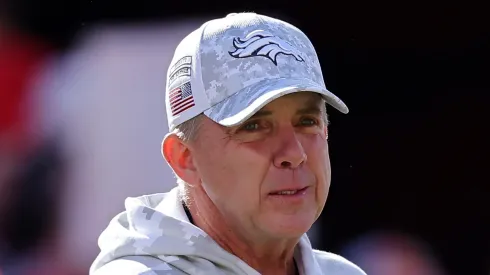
column 178, row 155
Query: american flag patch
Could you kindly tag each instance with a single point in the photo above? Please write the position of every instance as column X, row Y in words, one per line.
column 181, row 99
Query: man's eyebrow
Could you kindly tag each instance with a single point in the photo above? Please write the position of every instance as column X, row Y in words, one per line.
column 261, row 113
column 313, row 109
column 310, row 109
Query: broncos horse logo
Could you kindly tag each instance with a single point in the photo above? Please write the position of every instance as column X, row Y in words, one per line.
column 261, row 43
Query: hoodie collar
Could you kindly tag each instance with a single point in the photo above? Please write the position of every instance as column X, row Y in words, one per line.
column 172, row 206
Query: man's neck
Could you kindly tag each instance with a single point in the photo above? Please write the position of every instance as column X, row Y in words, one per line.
column 262, row 257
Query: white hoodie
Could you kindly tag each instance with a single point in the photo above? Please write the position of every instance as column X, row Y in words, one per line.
column 154, row 236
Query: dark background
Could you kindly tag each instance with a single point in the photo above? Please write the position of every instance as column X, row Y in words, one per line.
column 411, row 154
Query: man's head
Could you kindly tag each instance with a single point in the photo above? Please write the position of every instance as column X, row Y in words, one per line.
column 246, row 108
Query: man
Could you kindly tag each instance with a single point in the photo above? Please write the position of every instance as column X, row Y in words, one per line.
column 248, row 143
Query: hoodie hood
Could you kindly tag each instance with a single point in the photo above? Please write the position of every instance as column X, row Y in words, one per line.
column 157, row 226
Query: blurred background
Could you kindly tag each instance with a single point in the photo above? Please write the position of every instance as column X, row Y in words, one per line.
column 82, row 116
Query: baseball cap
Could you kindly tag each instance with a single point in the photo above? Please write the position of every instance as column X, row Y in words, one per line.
column 231, row 67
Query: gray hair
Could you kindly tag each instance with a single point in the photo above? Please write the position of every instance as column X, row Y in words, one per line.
column 188, row 130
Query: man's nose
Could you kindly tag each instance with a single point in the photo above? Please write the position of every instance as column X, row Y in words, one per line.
column 290, row 153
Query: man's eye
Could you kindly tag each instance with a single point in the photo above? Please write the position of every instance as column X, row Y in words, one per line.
column 251, row 126
column 308, row 122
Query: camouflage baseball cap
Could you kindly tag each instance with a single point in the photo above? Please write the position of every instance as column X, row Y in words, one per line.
column 231, row 67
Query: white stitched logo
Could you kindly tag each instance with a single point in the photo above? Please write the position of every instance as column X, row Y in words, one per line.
column 262, row 43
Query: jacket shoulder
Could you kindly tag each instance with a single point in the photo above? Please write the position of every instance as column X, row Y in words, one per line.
column 137, row 265
column 336, row 264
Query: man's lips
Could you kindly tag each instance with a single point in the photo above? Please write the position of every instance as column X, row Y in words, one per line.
column 288, row 191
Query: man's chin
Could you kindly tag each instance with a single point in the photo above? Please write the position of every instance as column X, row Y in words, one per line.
column 290, row 226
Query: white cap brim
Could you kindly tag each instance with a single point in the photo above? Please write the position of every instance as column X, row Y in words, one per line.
column 243, row 104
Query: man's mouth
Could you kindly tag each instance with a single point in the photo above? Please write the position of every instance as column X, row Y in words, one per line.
column 289, row 192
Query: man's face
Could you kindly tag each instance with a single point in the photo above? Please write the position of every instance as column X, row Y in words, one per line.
column 283, row 147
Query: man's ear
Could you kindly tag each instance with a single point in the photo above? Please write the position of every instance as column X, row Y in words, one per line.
column 179, row 157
